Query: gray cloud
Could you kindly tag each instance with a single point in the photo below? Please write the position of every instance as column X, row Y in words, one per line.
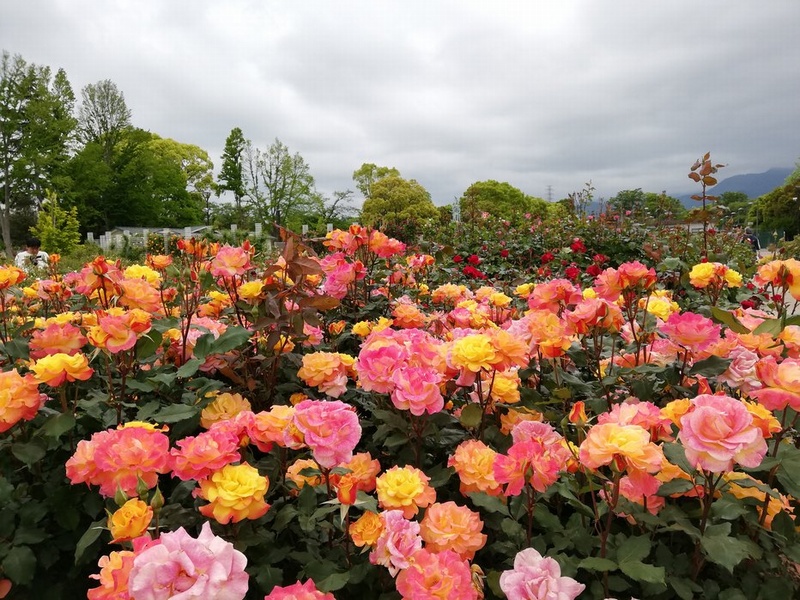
column 626, row 94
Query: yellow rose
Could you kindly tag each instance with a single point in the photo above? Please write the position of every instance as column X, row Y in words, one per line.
column 234, row 493
column 404, row 488
column 142, row 272
column 733, row 278
column 499, row 299
column 130, row 520
column 251, row 290
column 362, row 328
column 55, row 369
column 701, row 274
column 225, row 406
column 524, row 290
column 474, row 352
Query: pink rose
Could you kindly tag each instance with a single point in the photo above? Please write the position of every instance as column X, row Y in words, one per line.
column 180, row 567
column 720, row 431
column 330, row 428
column 298, row 591
column 398, row 542
column 535, row 577
column 417, row 390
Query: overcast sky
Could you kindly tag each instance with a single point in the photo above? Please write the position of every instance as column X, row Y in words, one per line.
column 623, row 93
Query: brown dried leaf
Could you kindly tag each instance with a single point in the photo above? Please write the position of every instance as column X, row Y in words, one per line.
column 694, row 177
column 709, row 180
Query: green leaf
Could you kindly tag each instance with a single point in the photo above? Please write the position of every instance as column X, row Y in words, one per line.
column 676, row 454
column 471, row 415
column 727, row 318
column 684, row 587
column 189, row 368
column 29, row 453
column 20, row 565
column 87, row 539
column 676, row 486
column 710, row 367
column 770, row 326
column 594, row 563
column 728, row 508
column 58, row 424
column 333, row 582
column 147, row 345
column 489, row 503
column 232, row 338
column 788, row 472
column 633, row 549
column 639, row 571
column 176, row 412
column 726, row 551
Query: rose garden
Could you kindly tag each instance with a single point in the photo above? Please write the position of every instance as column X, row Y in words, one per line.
column 581, row 409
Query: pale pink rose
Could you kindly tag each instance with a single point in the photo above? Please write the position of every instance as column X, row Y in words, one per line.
column 299, row 591
column 398, row 542
column 180, row 567
column 380, row 356
column 230, row 261
column 781, row 383
column 417, row 390
column 741, row 373
column 330, row 428
column 720, row 431
column 535, row 577
column 535, row 431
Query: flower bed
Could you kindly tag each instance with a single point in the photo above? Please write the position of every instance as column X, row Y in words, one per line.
column 220, row 424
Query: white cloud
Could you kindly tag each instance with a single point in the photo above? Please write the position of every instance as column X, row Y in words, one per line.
column 626, row 94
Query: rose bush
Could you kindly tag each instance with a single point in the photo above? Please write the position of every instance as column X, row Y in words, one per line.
column 226, row 424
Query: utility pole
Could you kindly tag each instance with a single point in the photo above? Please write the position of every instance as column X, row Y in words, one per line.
column 549, row 193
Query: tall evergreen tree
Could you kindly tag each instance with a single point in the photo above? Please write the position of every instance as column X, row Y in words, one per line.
column 36, row 125
column 231, row 175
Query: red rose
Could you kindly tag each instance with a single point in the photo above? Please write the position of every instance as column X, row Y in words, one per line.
column 504, row 253
column 457, row 258
column 572, row 272
column 474, row 259
column 593, row 270
column 748, row 304
column 577, row 245
column 547, row 257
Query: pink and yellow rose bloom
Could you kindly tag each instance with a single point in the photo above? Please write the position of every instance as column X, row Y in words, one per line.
column 234, row 493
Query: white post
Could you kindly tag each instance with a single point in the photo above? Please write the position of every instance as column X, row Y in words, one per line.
column 259, row 229
column 187, row 232
column 329, row 227
column 145, row 238
column 165, row 233
column 305, row 230
column 90, row 237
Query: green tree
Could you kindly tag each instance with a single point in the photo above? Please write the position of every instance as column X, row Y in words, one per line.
column 231, row 175
column 628, row 200
column 735, row 207
column 394, row 199
column 278, row 185
column 150, row 182
column 661, row 206
column 368, row 173
column 103, row 116
column 36, row 125
column 779, row 210
column 499, row 199
column 58, row 229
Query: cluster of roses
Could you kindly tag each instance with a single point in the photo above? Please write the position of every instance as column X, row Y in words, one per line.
column 479, row 341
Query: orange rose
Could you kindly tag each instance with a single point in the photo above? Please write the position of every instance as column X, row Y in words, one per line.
column 130, row 520
column 19, row 398
column 366, row 530
column 447, row 526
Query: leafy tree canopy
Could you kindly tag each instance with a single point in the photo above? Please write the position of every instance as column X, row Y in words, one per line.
column 396, row 199
column 499, row 199
column 368, row 173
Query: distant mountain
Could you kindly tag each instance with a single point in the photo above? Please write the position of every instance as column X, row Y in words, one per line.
column 752, row 184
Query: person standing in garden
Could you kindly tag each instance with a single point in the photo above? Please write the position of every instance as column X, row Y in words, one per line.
column 33, row 257
column 751, row 239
